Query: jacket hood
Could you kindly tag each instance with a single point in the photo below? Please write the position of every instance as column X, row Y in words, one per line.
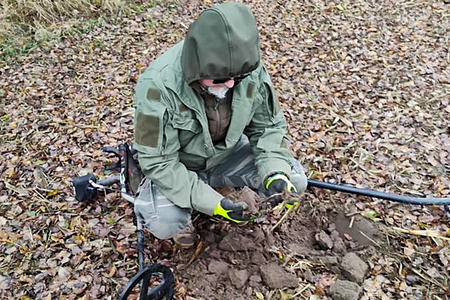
column 223, row 42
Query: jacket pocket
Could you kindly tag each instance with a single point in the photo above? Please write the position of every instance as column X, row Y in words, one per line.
column 188, row 128
column 186, row 122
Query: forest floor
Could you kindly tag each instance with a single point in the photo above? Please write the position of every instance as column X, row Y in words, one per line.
column 365, row 87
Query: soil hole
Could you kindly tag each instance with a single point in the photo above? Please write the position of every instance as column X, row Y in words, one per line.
column 356, row 228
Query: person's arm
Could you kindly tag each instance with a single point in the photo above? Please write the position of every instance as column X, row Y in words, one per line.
column 157, row 143
column 267, row 133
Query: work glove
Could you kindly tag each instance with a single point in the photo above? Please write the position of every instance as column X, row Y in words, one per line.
column 278, row 184
column 232, row 211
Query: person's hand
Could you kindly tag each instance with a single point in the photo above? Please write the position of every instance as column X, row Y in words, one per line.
column 278, row 184
column 232, row 211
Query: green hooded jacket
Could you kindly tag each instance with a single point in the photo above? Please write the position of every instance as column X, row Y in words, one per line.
column 171, row 127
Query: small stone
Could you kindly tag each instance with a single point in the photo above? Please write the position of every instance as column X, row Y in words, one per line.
column 238, row 278
column 218, row 267
column 276, row 277
column 334, row 234
column 345, row 290
column 352, row 245
column 353, row 267
column 331, row 227
column 339, row 246
column 258, row 258
column 330, row 260
column 255, row 278
column 323, row 240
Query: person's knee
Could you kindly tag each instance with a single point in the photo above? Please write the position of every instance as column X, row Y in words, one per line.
column 300, row 182
column 158, row 214
column 164, row 229
column 298, row 178
column 169, row 220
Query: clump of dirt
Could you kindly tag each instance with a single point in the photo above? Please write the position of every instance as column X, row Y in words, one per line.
column 248, row 196
column 286, row 250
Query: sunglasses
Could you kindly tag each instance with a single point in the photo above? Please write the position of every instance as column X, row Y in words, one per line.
column 236, row 78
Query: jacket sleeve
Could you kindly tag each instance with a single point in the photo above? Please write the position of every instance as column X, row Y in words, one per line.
column 157, row 143
column 267, row 132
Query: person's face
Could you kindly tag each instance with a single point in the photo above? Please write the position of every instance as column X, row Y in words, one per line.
column 218, row 83
column 222, row 82
column 218, row 87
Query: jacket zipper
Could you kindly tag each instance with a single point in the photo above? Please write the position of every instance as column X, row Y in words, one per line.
column 216, row 106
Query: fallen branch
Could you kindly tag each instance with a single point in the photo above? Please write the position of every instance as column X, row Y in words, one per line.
column 195, row 254
column 430, row 233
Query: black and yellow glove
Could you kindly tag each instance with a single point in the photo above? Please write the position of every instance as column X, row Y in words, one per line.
column 232, row 211
column 279, row 183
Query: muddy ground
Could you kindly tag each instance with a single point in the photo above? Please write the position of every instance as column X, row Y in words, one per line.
column 286, row 254
column 329, row 246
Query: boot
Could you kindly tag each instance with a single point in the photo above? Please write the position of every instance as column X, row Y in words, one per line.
column 186, row 238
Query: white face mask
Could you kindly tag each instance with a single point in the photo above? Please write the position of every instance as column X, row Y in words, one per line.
column 219, row 92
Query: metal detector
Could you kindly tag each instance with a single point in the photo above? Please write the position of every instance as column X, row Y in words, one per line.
column 377, row 194
column 157, row 282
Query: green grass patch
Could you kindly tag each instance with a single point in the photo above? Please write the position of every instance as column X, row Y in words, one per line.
column 24, row 24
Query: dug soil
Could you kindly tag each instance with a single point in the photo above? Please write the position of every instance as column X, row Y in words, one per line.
column 279, row 256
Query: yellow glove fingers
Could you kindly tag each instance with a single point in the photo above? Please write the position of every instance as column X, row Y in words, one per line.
column 231, row 211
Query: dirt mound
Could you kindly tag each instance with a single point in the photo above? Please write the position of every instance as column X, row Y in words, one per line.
column 284, row 251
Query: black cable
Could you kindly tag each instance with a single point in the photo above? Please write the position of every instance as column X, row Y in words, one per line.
column 109, row 181
column 376, row 194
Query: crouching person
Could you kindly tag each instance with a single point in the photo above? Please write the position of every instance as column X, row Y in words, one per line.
column 207, row 116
